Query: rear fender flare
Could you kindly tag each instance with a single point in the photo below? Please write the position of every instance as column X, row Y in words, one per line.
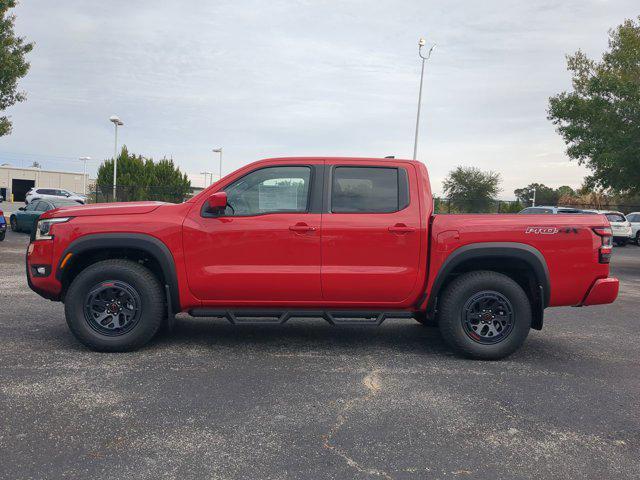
column 495, row 250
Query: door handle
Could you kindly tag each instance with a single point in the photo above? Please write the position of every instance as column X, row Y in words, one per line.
column 301, row 227
column 401, row 228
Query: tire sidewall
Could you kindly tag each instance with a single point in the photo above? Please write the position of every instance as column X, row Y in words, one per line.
column 151, row 308
column 465, row 287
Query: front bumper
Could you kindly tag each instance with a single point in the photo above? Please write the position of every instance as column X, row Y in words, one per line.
column 40, row 254
column 603, row 291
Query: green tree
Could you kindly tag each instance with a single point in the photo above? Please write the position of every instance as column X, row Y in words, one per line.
column 13, row 65
column 469, row 189
column 544, row 195
column 141, row 178
column 600, row 119
column 174, row 184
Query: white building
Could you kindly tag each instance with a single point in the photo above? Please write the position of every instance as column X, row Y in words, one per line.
column 15, row 181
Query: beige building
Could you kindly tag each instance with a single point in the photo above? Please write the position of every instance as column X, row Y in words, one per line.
column 17, row 181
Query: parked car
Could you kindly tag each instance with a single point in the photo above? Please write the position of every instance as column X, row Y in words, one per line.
column 544, row 210
column 353, row 241
column 634, row 219
column 25, row 219
column 53, row 193
column 3, row 226
column 620, row 226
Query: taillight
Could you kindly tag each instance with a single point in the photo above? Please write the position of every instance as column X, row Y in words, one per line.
column 604, row 252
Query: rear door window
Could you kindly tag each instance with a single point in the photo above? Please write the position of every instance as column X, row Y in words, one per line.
column 369, row 190
column 43, row 206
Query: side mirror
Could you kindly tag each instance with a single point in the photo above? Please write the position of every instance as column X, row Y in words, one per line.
column 217, row 202
column 21, row 209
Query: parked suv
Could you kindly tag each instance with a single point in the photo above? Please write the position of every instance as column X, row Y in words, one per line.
column 634, row 220
column 348, row 240
column 544, row 210
column 53, row 193
column 620, row 226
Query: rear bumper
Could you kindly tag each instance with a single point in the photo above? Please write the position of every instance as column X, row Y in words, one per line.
column 603, row 291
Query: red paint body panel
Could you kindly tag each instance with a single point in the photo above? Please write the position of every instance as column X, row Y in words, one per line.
column 362, row 260
column 571, row 254
column 604, row 290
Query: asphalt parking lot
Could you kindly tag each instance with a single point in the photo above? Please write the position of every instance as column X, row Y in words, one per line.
column 307, row 400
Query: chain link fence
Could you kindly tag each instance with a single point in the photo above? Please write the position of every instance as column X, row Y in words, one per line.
column 448, row 206
column 104, row 194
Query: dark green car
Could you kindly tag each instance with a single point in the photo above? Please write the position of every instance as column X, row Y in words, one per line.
column 26, row 218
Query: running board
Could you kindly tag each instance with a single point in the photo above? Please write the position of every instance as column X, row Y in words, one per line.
column 279, row 317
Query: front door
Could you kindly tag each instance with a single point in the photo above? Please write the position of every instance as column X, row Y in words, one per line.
column 265, row 248
column 370, row 234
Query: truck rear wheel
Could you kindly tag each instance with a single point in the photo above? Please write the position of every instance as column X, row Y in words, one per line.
column 484, row 315
column 115, row 306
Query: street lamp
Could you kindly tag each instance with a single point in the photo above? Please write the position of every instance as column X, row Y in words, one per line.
column 116, row 123
column 206, row 184
column 84, row 178
column 218, row 150
column 421, row 43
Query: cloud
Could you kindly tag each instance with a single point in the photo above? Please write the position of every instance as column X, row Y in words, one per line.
column 305, row 78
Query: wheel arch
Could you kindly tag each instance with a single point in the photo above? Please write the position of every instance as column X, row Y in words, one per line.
column 523, row 263
column 142, row 248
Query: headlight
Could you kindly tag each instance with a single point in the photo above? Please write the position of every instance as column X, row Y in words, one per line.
column 44, row 227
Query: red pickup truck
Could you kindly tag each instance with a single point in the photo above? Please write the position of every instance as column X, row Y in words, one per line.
column 350, row 240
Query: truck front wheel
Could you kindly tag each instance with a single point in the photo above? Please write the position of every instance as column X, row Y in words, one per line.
column 484, row 315
column 114, row 306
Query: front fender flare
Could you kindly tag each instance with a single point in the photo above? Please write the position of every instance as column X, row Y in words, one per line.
column 139, row 241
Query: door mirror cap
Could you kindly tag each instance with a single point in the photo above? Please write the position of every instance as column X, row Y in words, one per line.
column 217, row 202
column 21, row 209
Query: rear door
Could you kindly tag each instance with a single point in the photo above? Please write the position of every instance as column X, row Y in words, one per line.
column 370, row 233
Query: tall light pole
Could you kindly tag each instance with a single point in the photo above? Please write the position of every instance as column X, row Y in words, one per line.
column 206, row 184
column 84, row 178
column 218, row 150
column 116, row 123
column 421, row 43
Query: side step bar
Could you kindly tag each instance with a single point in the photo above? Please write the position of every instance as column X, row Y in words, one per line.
column 279, row 317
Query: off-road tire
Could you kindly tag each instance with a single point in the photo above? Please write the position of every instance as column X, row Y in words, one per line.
column 145, row 284
column 451, row 314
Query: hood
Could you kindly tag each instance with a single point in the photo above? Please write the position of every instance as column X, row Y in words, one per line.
column 118, row 208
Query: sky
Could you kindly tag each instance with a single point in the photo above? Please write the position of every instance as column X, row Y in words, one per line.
column 304, row 78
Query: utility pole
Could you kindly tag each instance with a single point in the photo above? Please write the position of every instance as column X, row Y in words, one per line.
column 421, row 43
column 84, row 178
column 117, row 123
column 218, row 150
column 206, row 183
